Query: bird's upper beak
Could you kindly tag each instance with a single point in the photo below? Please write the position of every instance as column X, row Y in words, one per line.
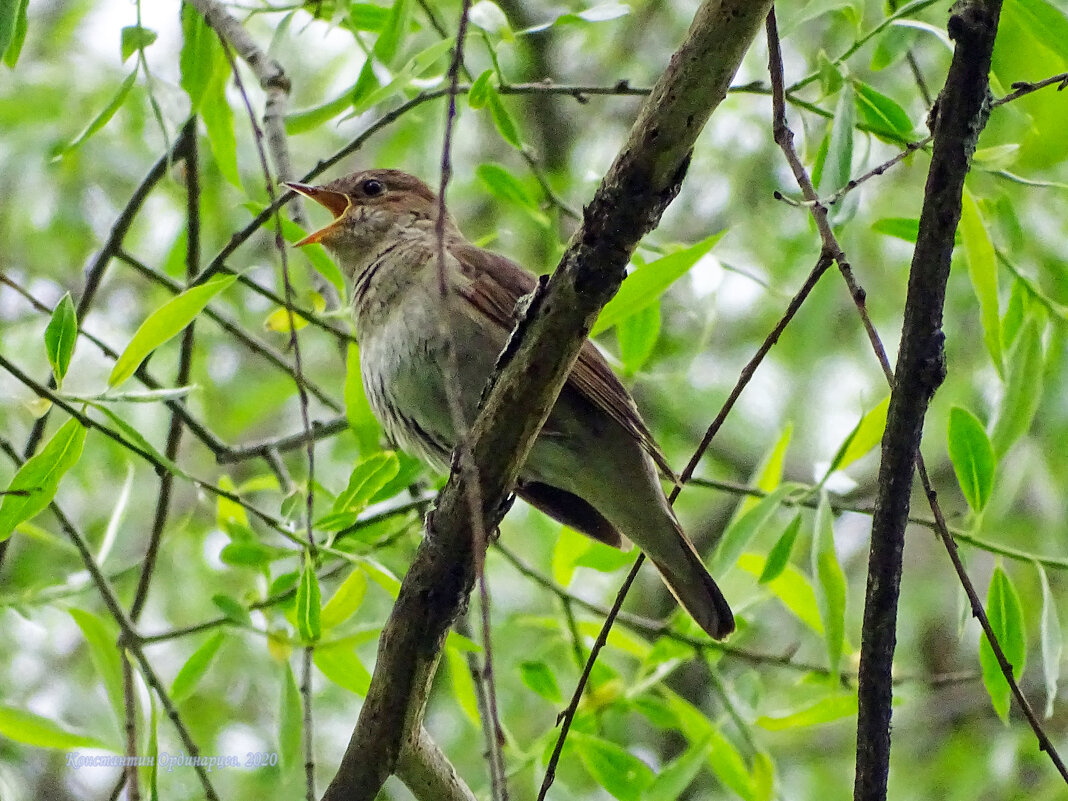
column 336, row 202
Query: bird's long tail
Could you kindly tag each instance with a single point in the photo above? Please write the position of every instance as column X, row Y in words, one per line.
column 697, row 592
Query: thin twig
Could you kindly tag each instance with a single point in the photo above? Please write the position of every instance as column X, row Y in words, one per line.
column 129, row 705
column 128, row 637
column 235, row 329
column 151, row 458
column 453, row 394
column 282, row 160
column 662, row 628
column 94, row 273
column 176, row 406
column 567, row 716
column 185, row 363
column 319, row 430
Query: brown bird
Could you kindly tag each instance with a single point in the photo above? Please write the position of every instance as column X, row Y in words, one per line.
column 593, row 466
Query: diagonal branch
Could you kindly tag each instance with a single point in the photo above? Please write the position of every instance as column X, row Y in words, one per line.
column 640, row 184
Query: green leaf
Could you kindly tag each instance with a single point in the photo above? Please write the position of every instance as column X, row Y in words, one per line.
column 892, row 45
column 1023, row 389
column 135, row 437
column 506, row 126
column 339, row 663
column 290, row 723
column 478, row 94
column 763, row 777
column 614, row 768
column 381, row 576
column 60, row 337
column 833, row 707
column 1045, row 21
column 779, row 556
column 604, row 558
column 727, row 764
column 540, row 678
column 310, row 119
column 883, row 115
column 1007, row 622
column 983, row 272
column 867, row 433
column 742, row 530
column 723, row 758
column 673, row 779
column 368, row 476
column 27, row 728
column 251, row 554
column 637, row 336
column 387, row 45
column 1052, row 642
column 569, row 547
column 505, row 186
column 13, row 34
column 149, row 772
column 345, row 600
column 830, row 75
column 309, row 603
column 972, row 456
column 906, row 228
column 39, row 477
column 791, row 587
column 358, row 412
column 218, row 119
column 768, row 473
column 101, row 637
column 233, row 609
column 102, row 118
column 415, row 67
column 196, row 667
column 199, row 56
column 366, row 82
column 463, row 685
column 837, row 168
column 135, row 38
column 830, row 583
column 646, row 284
column 602, row 12
column 367, row 17
column 164, row 323
column 489, row 17
column 999, row 157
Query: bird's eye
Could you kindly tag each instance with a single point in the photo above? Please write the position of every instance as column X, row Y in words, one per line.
column 373, row 187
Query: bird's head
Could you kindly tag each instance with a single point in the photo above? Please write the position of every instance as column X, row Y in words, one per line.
column 368, row 207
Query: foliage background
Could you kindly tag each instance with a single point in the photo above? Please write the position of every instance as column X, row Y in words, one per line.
column 760, row 719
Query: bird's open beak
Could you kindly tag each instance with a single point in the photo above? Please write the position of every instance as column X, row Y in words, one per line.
column 335, row 202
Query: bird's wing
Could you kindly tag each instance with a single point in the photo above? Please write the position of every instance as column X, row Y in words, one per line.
column 494, row 284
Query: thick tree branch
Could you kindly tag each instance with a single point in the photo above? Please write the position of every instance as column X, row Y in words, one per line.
column 960, row 116
column 427, row 772
column 641, row 183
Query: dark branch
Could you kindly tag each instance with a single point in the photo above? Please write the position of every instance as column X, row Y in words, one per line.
column 961, row 113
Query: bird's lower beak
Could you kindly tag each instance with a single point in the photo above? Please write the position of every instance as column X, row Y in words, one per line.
column 335, row 202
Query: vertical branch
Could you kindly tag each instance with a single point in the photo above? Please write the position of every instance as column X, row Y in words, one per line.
column 277, row 85
column 463, row 457
column 960, row 116
column 185, row 362
column 129, row 696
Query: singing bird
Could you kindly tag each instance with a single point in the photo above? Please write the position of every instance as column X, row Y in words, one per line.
column 593, row 466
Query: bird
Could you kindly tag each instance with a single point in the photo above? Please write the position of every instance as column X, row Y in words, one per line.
column 594, row 464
